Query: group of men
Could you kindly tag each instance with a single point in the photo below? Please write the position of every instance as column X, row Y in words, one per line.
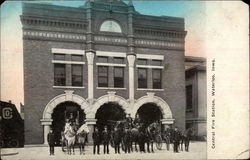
column 105, row 137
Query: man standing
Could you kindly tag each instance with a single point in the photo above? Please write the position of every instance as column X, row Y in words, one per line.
column 176, row 139
column 167, row 138
column 97, row 140
column 127, row 140
column 51, row 141
column 117, row 140
column 105, row 140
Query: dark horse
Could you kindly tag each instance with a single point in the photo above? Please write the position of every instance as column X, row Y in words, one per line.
column 151, row 131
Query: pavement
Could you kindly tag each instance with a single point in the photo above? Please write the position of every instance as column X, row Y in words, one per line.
column 197, row 150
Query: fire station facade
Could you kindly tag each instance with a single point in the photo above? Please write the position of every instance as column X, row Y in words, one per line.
column 78, row 62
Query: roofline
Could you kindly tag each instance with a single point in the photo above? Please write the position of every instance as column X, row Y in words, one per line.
column 195, row 59
column 196, row 67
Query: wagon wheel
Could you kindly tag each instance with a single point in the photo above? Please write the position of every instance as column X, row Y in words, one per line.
column 158, row 140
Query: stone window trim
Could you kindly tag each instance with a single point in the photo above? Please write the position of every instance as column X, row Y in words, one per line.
column 66, row 62
column 150, row 56
column 150, row 66
column 111, row 64
column 150, row 89
column 111, row 88
column 67, row 51
column 111, row 54
column 69, row 87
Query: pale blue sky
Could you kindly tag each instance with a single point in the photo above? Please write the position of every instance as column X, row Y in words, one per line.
column 11, row 36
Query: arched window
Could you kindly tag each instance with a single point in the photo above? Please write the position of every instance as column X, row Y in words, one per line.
column 110, row 26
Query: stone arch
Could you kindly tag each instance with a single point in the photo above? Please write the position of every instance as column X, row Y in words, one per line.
column 151, row 98
column 67, row 96
column 110, row 97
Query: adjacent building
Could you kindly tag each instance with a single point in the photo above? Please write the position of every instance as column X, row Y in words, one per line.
column 196, row 96
column 79, row 62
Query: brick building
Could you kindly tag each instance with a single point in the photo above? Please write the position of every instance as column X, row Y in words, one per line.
column 196, row 96
column 79, row 62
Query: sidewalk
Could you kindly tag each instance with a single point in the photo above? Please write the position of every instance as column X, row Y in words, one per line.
column 197, row 151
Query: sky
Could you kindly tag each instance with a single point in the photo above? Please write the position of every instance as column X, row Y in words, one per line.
column 11, row 36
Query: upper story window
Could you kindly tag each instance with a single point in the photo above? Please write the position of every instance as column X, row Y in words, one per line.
column 102, row 76
column 77, row 75
column 76, row 57
column 102, row 59
column 189, row 97
column 156, row 62
column 118, row 60
column 118, row 77
column 142, row 61
column 157, row 76
column 110, row 26
column 59, row 56
column 59, row 75
column 142, row 78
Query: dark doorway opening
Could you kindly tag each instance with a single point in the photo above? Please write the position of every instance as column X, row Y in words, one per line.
column 149, row 113
column 107, row 113
column 67, row 110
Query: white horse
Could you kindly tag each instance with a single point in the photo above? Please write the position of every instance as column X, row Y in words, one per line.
column 82, row 134
column 70, row 136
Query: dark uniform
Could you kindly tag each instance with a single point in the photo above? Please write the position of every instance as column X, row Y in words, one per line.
column 141, row 141
column 105, row 141
column 176, row 140
column 97, row 140
column 167, row 138
column 116, row 136
column 51, row 141
column 127, row 141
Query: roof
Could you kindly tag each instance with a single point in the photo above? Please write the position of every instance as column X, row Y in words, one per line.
column 194, row 59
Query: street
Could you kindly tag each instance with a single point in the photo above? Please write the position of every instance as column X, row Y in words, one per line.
column 197, row 150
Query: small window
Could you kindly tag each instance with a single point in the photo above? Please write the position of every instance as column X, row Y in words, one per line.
column 59, row 56
column 189, row 97
column 103, row 59
column 59, row 75
column 142, row 78
column 142, row 61
column 102, row 76
column 118, row 77
column 77, row 75
column 76, row 57
column 156, row 62
column 157, row 76
column 118, row 60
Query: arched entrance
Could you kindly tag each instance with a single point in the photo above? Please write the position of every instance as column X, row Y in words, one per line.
column 149, row 113
column 66, row 110
column 108, row 113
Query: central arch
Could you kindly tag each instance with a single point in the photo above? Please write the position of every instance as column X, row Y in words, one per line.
column 110, row 97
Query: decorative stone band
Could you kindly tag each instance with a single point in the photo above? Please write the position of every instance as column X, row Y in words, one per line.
column 67, row 62
column 117, row 40
column 149, row 66
column 56, row 35
column 155, row 43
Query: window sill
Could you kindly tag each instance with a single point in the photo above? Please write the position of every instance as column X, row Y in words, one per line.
column 111, row 88
column 149, row 89
column 70, row 87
